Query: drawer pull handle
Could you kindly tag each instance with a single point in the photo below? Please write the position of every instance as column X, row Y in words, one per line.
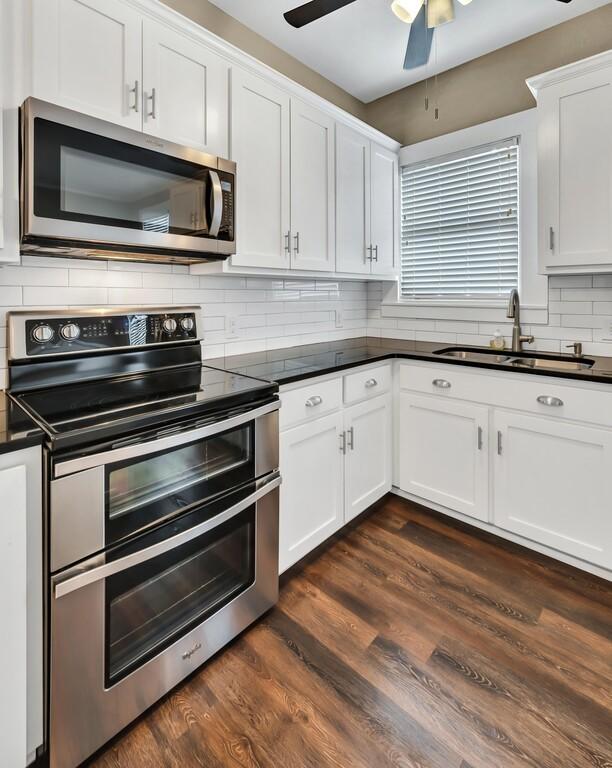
column 556, row 402
column 313, row 401
column 480, row 438
column 441, row 383
column 371, row 383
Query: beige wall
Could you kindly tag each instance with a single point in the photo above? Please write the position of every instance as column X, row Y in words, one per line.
column 220, row 23
column 493, row 85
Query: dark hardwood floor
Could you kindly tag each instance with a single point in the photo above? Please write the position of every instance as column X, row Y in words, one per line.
column 411, row 641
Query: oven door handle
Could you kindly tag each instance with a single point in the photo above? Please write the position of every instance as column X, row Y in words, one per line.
column 91, row 571
column 161, row 443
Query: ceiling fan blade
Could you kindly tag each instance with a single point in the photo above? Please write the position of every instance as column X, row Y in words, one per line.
column 419, row 42
column 315, row 9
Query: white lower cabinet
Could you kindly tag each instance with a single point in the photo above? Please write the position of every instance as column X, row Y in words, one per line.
column 333, row 466
column 443, row 452
column 368, row 454
column 311, row 495
column 553, row 484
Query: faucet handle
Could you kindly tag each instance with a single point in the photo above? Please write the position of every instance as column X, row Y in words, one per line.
column 577, row 347
column 527, row 339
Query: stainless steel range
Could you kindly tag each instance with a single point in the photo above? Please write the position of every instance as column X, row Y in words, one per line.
column 162, row 511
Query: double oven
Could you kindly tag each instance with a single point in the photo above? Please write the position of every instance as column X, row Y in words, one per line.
column 162, row 532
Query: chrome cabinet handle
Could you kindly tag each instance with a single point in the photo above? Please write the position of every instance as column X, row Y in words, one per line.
column 296, row 238
column 551, row 238
column 135, row 90
column 342, row 438
column 152, row 114
column 93, row 570
column 441, row 383
column 499, row 442
column 288, row 242
column 556, row 402
column 351, row 440
column 376, row 251
column 370, row 383
column 480, row 438
column 314, row 400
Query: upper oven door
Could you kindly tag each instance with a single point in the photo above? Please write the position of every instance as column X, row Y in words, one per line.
column 86, row 181
column 101, row 499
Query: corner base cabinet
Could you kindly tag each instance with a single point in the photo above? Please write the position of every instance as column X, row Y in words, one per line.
column 553, row 484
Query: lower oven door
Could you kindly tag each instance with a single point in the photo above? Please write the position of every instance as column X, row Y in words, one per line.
column 128, row 625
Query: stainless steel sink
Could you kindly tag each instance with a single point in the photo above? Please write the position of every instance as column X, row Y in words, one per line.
column 549, row 363
column 490, row 356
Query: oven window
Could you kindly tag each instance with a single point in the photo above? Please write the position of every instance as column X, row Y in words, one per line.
column 142, row 492
column 149, row 606
column 79, row 176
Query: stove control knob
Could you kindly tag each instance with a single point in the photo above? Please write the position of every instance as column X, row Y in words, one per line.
column 187, row 324
column 42, row 334
column 169, row 325
column 70, row 331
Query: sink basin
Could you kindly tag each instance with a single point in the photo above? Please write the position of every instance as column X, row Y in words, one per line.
column 493, row 356
column 552, row 363
column 473, row 354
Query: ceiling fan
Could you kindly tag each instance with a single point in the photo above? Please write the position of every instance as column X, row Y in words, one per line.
column 422, row 15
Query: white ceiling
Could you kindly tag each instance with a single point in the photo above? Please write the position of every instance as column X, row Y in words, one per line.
column 361, row 47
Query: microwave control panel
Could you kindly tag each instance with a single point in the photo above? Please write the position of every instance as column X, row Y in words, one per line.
column 226, row 229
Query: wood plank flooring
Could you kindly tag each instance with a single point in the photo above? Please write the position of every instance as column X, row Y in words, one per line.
column 410, row 641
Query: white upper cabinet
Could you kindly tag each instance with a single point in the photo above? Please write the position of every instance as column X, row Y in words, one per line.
column 353, row 250
column 366, row 205
column 312, row 188
column 87, row 57
column 575, row 166
column 185, row 90
column 384, row 185
column 260, row 125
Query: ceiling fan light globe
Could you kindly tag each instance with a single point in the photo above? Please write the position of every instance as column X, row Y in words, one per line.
column 406, row 10
column 439, row 12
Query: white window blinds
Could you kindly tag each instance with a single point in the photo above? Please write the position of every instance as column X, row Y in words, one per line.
column 460, row 224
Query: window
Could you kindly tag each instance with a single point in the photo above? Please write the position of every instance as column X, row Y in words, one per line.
column 460, row 224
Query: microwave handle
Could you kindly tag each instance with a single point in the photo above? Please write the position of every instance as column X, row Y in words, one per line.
column 84, row 574
column 217, row 204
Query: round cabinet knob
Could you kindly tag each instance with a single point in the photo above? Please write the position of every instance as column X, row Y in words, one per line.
column 169, row 325
column 187, row 324
column 70, row 331
column 42, row 333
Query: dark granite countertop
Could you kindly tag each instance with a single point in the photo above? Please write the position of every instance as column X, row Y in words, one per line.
column 17, row 429
column 285, row 366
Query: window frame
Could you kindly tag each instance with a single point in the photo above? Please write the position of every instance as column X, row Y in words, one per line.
column 533, row 286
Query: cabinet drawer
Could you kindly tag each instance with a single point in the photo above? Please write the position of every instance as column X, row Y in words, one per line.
column 541, row 395
column 365, row 384
column 310, row 402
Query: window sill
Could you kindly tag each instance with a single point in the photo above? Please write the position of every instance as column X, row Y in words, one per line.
column 469, row 303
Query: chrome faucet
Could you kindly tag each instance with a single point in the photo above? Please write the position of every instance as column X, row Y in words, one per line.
column 514, row 311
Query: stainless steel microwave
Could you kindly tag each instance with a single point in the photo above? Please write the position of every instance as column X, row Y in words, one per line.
column 92, row 189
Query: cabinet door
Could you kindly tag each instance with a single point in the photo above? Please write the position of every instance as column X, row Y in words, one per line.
column 575, row 171
column 443, row 452
column 312, row 188
column 353, row 240
column 368, row 454
column 260, row 147
column 553, row 484
column 311, row 500
column 185, row 91
column 87, row 57
column 384, row 212
column 13, row 659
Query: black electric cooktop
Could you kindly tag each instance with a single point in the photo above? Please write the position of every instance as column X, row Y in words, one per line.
column 79, row 413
